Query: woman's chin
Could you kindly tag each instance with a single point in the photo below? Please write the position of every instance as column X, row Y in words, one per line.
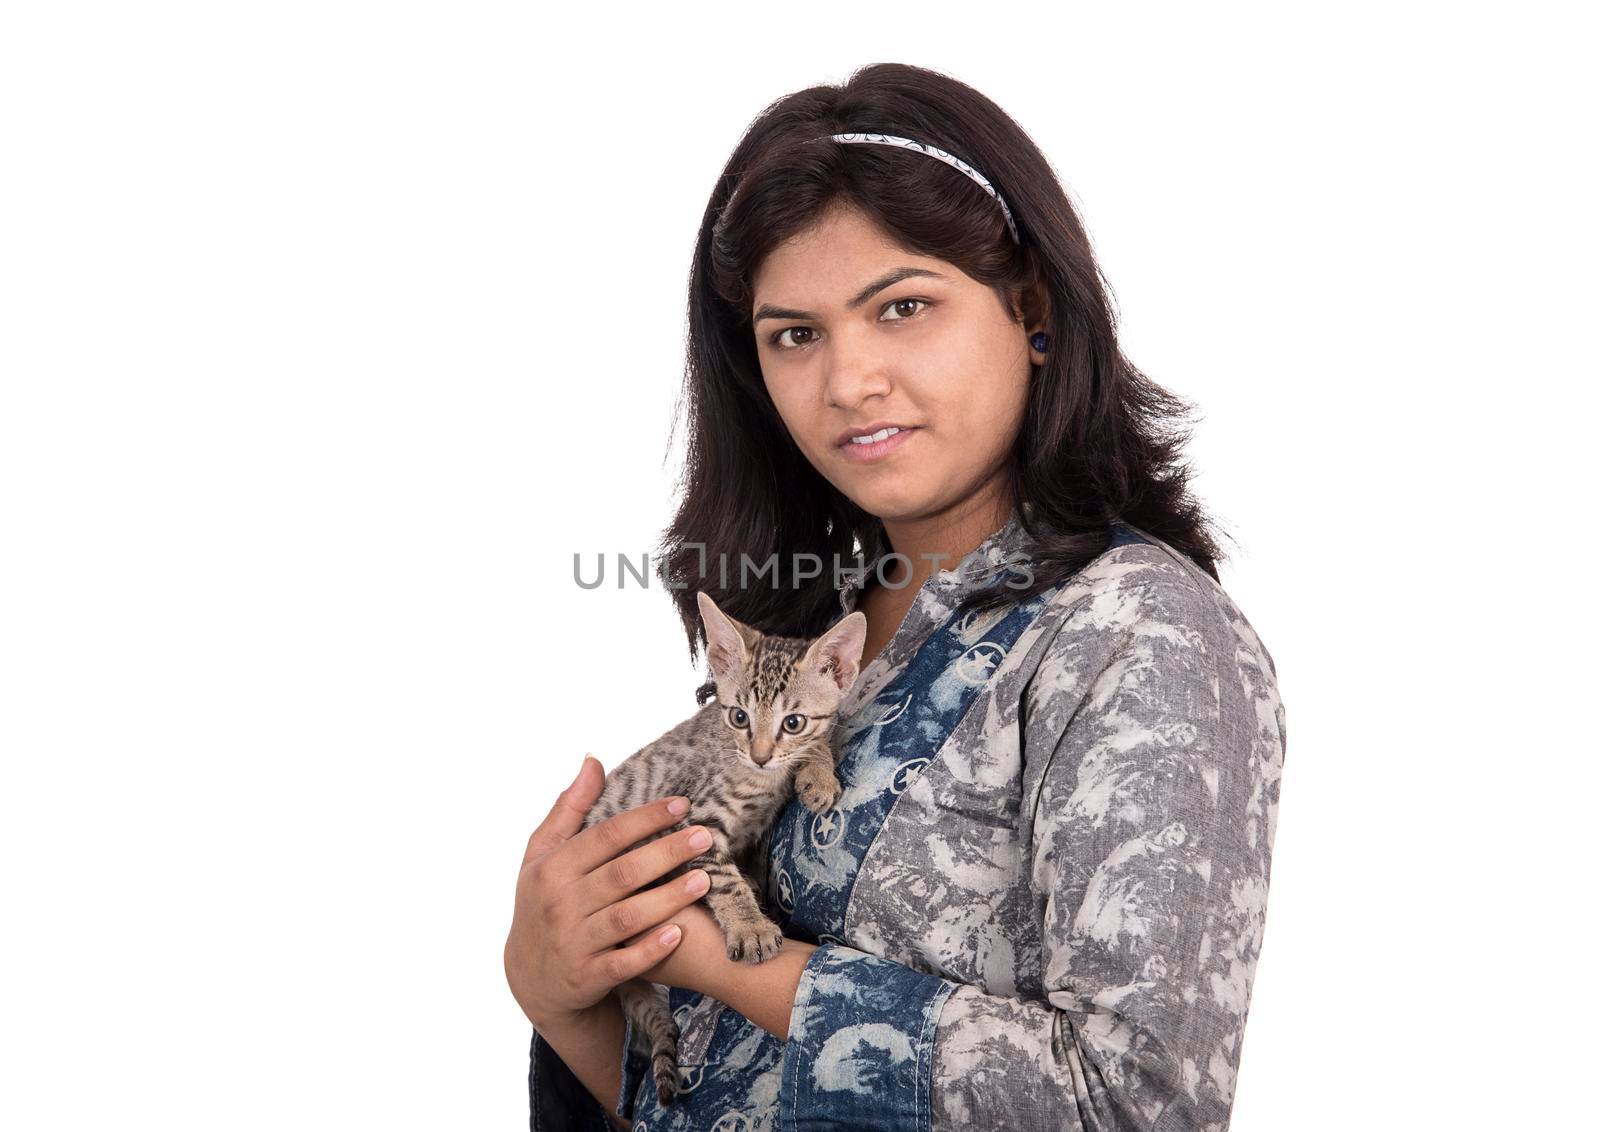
column 895, row 506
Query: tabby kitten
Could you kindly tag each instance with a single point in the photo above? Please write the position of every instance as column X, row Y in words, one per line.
column 739, row 759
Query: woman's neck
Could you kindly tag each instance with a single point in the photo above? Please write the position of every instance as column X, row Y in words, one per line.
column 949, row 536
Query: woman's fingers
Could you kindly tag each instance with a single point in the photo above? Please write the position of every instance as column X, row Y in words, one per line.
column 566, row 817
column 622, row 876
column 625, row 919
column 593, row 847
column 624, row 963
column 568, row 872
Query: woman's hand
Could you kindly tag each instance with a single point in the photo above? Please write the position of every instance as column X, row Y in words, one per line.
column 577, row 900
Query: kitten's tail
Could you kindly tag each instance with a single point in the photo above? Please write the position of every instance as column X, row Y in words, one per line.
column 646, row 1005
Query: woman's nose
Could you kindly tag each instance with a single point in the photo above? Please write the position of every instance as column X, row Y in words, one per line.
column 851, row 383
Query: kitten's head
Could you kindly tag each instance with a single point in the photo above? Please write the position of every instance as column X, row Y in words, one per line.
column 778, row 694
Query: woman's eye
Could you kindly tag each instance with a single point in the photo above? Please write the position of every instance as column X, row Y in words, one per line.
column 902, row 302
column 794, row 723
column 810, row 335
column 777, row 339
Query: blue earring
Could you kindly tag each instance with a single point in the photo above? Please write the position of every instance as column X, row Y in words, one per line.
column 1040, row 342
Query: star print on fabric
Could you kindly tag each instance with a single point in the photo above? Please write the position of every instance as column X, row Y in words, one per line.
column 906, row 773
column 826, row 829
column 979, row 661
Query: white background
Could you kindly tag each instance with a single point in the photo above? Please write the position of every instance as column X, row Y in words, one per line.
column 331, row 331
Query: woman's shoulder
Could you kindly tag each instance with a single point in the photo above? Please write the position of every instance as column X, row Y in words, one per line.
column 1148, row 650
column 1146, row 597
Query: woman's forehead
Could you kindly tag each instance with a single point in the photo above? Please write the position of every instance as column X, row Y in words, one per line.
column 842, row 272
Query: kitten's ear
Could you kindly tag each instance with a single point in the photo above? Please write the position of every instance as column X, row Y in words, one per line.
column 837, row 653
column 728, row 642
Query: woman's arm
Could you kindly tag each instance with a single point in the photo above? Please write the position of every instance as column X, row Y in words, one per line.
column 762, row 992
column 591, row 1047
column 1150, row 855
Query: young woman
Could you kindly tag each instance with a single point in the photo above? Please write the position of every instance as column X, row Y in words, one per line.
column 1039, row 901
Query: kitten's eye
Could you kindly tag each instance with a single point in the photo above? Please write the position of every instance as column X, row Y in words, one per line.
column 794, row 724
column 737, row 717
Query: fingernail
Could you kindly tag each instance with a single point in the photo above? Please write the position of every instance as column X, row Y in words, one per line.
column 679, row 806
column 701, row 839
column 670, row 935
column 698, row 881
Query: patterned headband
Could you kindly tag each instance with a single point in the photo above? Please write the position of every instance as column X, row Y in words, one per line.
column 949, row 159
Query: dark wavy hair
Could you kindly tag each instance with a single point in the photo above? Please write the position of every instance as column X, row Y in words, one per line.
column 1098, row 440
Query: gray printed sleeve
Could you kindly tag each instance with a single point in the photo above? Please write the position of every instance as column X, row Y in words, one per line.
column 1152, row 757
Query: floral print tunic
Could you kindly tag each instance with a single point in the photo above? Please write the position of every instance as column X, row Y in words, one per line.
column 1039, row 900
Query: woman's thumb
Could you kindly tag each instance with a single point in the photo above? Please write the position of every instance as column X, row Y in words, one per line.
column 585, row 781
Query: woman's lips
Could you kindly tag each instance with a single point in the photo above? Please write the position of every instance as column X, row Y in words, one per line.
column 878, row 449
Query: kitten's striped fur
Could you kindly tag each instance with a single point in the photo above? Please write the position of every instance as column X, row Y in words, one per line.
column 737, row 779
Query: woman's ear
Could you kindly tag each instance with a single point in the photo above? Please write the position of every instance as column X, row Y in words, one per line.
column 1031, row 307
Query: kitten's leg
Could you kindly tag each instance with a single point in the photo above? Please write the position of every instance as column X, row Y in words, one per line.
column 646, row 1005
column 754, row 865
column 815, row 783
column 750, row 935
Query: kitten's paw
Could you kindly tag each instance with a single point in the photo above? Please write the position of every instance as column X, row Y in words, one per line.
column 816, row 794
column 755, row 942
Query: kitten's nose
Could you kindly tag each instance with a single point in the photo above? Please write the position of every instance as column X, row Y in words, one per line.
column 761, row 753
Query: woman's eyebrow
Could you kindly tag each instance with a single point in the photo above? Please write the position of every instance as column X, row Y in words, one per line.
column 888, row 279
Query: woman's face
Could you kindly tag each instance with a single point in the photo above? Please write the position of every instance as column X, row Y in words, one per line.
column 855, row 334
